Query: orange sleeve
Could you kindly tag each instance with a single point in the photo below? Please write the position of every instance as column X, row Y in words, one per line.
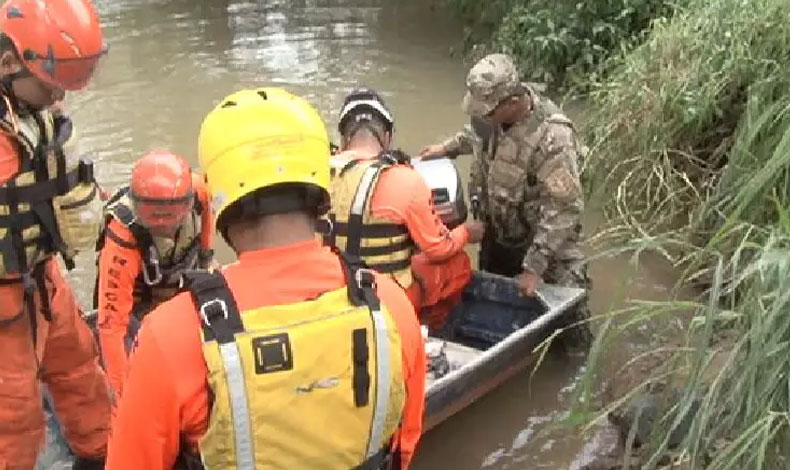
column 146, row 430
column 119, row 265
column 207, row 218
column 9, row 158
column 414, row 366
column 426, row 229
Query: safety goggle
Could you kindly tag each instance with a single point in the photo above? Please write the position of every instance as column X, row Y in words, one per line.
column 162, row 212
column 72, row 73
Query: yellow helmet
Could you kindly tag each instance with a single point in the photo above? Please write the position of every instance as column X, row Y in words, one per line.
column 258, row 138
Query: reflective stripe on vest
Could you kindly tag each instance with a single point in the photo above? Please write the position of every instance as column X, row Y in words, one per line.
column 242, row 429
column 383, row 353
column 318, row 397
column 385, row 246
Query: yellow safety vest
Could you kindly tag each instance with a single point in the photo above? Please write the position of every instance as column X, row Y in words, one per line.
column 49, row 206
column 164, row 260
column 312, row 385
column 384, row 246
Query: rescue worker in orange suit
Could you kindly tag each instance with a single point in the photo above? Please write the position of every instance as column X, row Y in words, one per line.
column 49, row 205
column 157, row 228
column 382, row 211
column 292, row 358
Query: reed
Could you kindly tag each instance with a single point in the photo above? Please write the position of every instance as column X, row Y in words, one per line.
column 691, row 149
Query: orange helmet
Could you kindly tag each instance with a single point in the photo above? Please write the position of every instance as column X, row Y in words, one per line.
column 59, row 41
column 161, row 191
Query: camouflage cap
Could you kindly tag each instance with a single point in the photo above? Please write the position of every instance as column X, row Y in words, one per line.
column 490, row 81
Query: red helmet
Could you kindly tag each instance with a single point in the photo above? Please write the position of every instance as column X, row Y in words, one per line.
column 161, row 191
column 59, row 41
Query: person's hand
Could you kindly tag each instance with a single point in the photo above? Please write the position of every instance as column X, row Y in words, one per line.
column 432, row 151
column 476, row 230
column 528, row 283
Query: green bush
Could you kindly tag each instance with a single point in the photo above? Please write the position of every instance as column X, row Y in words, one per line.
column 558, row 41
column 561, row 41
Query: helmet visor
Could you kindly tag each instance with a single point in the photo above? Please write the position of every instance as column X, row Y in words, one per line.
column 160, row 215
column 66, row 73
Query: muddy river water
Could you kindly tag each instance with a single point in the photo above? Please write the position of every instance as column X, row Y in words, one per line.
column 170, row 61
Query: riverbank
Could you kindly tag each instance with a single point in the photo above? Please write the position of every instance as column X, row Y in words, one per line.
column 689, row 126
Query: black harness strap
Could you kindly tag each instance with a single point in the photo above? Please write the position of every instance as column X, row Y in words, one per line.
column 405, row 244
column 391, row 267
column 216, row 305
column 373, row 230
column 356, row 212
column 41, row 191
column 119, row 240
column 145, row 242
column 20, row 222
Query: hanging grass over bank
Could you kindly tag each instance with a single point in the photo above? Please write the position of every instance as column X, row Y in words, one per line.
column 691, row 147
column 559, row 42
column 665, row 121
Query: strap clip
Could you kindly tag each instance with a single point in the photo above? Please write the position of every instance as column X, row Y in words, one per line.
column 205, row 313
column 365, row 278
column 153, row 262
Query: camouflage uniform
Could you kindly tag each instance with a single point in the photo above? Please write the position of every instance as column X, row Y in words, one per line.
column 526, row 178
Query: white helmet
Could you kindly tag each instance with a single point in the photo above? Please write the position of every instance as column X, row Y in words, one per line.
column 363, row 104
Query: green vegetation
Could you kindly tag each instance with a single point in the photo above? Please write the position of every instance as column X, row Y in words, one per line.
column 688, row 120
column 690, row 136
column 558, row 41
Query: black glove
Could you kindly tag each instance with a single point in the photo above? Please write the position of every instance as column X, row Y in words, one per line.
column 82, row 463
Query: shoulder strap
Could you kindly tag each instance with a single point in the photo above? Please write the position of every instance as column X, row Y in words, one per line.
column 152, row 272
column 358, row 205
column 116, row 197
column 219, row 313
column 359, row 279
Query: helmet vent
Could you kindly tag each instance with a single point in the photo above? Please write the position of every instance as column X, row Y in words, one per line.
column 228, row 104
column 262, row 94
column 14, row 12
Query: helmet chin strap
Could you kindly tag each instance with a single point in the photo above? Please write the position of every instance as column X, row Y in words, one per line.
column 7, row 86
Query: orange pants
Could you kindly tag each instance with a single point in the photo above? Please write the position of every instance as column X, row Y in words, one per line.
column 438, row 286
column 64, row 356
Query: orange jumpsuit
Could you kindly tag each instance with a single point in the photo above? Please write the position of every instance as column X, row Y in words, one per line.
column 63, row 355
column 442, row 268
column 165, row 396
column 120, row 264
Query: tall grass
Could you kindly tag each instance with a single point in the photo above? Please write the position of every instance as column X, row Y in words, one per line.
column 692, row 146
column 731, row 373
column 665, row 120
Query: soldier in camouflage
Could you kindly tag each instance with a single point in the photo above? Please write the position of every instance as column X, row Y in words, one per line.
column 525, row 178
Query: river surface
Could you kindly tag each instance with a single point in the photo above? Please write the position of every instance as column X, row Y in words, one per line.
column 170, row 61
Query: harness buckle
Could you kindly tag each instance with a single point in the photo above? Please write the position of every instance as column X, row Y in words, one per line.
column 326, row 226
column 365, row 278
column 216, row 301
column 153, row 261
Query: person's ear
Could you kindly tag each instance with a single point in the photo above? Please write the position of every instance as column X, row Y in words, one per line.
column 9, row 63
